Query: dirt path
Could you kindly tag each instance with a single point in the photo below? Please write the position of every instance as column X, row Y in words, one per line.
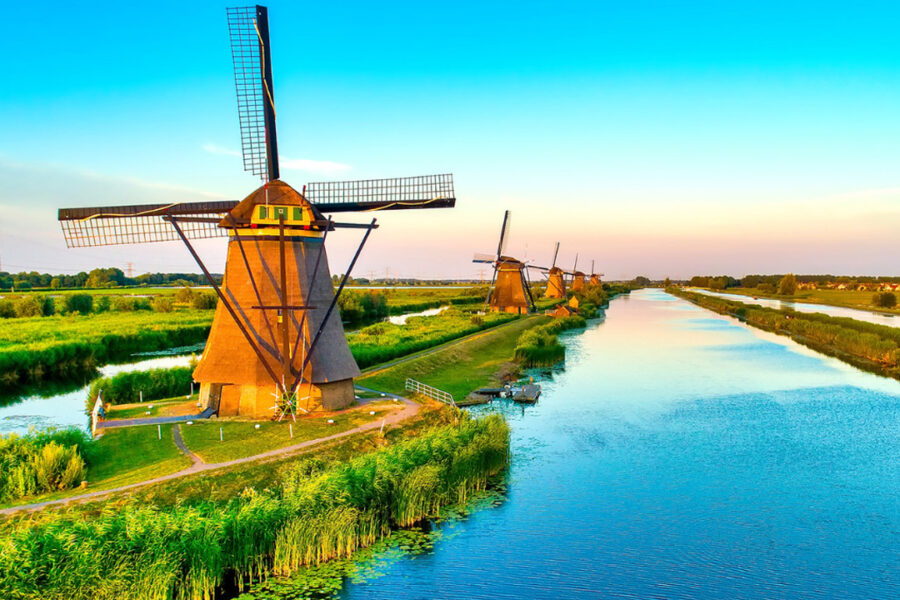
column 409, row 409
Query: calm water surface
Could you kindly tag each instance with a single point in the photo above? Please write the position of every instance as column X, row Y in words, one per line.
column 683, row 455
column 834, row 311
column 20, row 413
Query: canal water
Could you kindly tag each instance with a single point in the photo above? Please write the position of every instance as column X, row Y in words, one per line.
column 18, row 414
column 681, row 454
column 835, row 311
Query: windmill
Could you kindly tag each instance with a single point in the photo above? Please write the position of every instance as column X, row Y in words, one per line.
column 556, row 284
column 509, row 288
column 595, row 276
column 577, row 277
column 274, row 330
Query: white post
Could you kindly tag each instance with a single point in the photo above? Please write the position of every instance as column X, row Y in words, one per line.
column 381, row 431
column 159, row 431
column 291, row 428
column 221, row 437
column 142, row 396
column 192, row 388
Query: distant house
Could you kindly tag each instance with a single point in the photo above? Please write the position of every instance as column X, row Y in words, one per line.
column 563, row 310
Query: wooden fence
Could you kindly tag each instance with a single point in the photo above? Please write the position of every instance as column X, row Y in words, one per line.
column 417, row 387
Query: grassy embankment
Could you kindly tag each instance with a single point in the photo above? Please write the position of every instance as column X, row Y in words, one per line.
column 844, row 298
column 315, row 513
column 459, row 368
column 865, row 345
column 38, row 348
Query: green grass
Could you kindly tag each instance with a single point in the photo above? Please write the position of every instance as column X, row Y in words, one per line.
column 459, row 368
column 241, row 438
column 130, row 454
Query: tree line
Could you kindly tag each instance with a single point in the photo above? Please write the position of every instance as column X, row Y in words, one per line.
column 96, row 278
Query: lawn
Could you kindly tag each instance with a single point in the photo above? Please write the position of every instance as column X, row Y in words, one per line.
column 459, row 368
column 242, row 438
column 130, row 454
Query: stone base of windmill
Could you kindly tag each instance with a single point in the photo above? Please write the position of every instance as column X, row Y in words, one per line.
column 258, row 402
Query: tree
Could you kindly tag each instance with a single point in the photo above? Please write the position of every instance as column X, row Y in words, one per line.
column 28, row 306
column 80, row 303
column 667, row 283
column 641, row 281
column 788, row 285
column 162, row 304
column 886, row 300
column 56, row 283
column 184, row 296
column 204, row 301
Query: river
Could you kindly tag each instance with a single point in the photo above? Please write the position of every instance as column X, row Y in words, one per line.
column 18, row 414
column 682, row 454
column 859, row 314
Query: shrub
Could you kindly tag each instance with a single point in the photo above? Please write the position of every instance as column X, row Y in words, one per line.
column 41, row 462
column 28, row 306
column 885, row 300
column 162, row 304
column 788, row 285
column 184, row 295
column 204, row 301
column 103, row 304
column 7, row 309
column 80, row 303
column 48, row 306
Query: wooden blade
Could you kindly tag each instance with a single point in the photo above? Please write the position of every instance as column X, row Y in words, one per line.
column 141, row 223
column 504, row 230
column 427, row 191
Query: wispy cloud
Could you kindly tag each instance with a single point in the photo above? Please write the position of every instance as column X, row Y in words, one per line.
column 325, row 167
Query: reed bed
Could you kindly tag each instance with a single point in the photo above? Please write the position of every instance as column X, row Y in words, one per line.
column 187, row 552
column 35, row 463
column 540, row 345
column 155, row 384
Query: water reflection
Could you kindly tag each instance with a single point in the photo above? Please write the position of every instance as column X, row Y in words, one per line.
column 682, row 454
column 834, row 311
column 19, row 413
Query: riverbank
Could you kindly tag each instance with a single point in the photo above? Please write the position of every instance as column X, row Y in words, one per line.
column 855, row 299
column 316, row 513
column 875, row 348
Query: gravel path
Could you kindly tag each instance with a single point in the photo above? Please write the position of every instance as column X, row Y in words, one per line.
column 409, row 409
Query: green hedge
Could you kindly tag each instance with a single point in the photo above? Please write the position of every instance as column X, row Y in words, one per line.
column 540, row 345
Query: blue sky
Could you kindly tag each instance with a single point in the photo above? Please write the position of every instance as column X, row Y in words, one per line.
column 658, row 138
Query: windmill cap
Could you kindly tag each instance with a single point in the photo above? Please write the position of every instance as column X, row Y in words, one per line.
column 275, row 192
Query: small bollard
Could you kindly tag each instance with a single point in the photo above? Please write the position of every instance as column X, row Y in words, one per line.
column 159, row 431
column 291, row 429
column 381, row 431
column 372, row 412
column 221, row 436
column 142, row 396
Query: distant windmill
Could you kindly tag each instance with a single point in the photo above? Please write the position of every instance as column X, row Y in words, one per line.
column 274, row 328
column 556, row 284
column 577, row 277
column 509, row 288
column 595, row 276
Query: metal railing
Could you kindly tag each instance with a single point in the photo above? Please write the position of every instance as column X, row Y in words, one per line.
column 417, row 387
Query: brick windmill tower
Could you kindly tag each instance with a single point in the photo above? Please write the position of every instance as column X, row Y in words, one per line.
column 556, row 283
column 510, row 291
column 277, row 345
column 595, row 276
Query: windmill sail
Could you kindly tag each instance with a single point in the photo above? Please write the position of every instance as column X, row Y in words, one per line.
column 137, row 224
column 248, row 29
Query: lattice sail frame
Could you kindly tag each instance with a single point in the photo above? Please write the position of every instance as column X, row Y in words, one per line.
column 142, row 223
column 249, row 85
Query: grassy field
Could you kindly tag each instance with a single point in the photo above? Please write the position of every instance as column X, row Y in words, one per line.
column 130, row 454
column 459, row 368
column 241, row 438
column 845, row 298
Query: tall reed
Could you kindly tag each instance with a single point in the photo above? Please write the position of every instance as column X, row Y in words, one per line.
column 137, row 551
